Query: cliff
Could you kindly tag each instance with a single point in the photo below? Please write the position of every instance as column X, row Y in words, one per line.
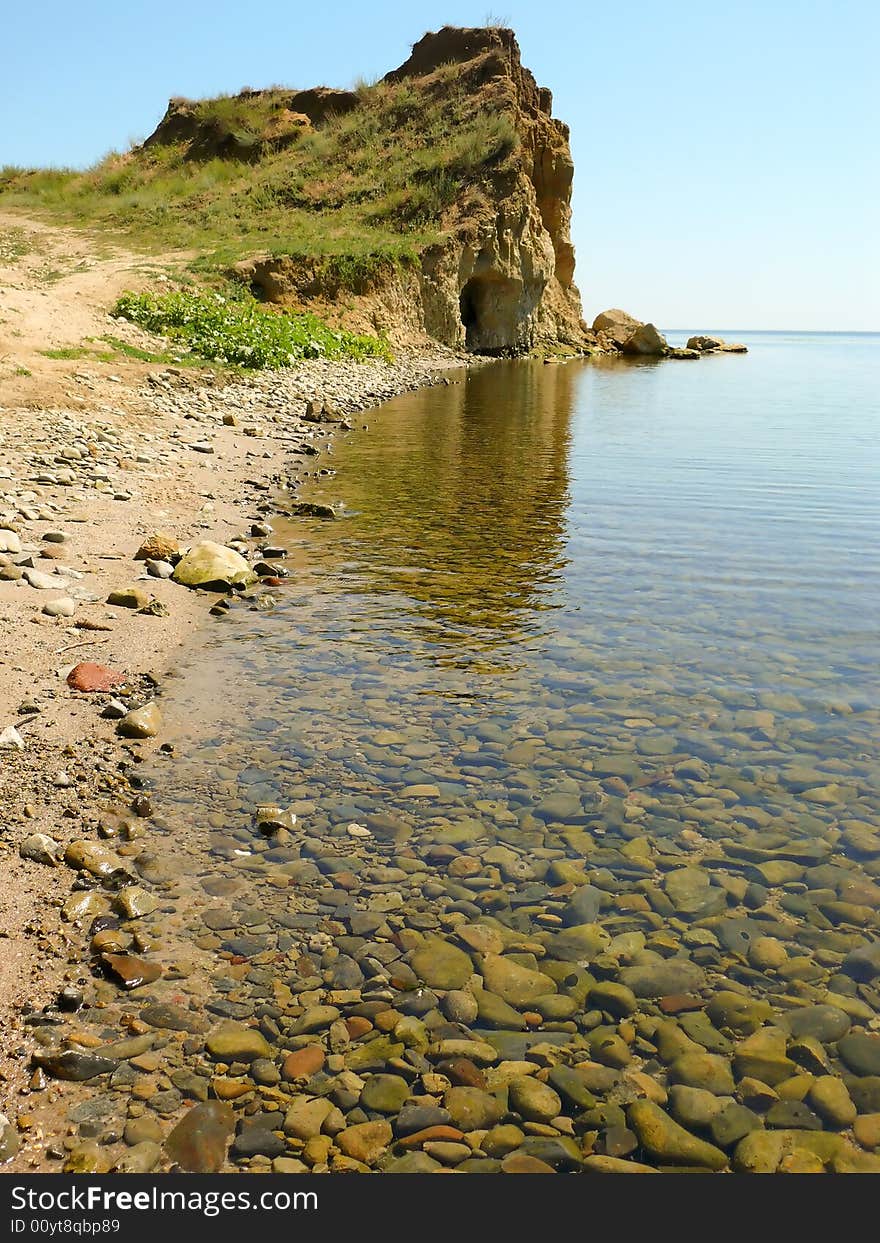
column 492, row 268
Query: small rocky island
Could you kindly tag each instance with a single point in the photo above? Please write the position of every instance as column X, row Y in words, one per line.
column 618, row 332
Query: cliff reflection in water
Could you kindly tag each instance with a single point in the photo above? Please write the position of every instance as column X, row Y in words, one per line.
column 465, row 535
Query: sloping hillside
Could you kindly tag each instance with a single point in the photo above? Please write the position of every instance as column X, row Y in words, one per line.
column 434, row 202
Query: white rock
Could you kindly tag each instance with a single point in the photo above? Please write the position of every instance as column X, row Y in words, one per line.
column 9, row 541
column 41, row 581
column 10, row 738
column 63, row 607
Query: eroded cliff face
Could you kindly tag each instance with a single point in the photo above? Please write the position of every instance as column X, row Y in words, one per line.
column 501, row 279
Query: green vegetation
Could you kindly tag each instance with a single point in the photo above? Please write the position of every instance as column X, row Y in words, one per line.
column 240, row 332
column 120, row 351
column 14, row 244
column 351, row 196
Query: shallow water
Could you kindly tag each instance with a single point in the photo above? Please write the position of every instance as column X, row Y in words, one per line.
column 561, row 550
column 586, row 621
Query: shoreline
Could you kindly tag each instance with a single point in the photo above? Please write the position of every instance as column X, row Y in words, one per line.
column 74, row 768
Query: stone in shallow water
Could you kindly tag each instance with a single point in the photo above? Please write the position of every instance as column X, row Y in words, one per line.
column 75, row 1067
column 470, row 1109
column 824, row 1023
column 131, row 972
column 616, row 999
column 708, row 1071
column 729, row 1126
column 694, row 1108
column 860, row 1052
column 670, row 1143
column 522, row 1163
column 573, row 1085
column 258, row 1142
column 786, row 1115
column 460, row 1007
column 231, row 1042
column 493, row 1011
column 615, row 1165
column 691, row 893
column 315, row 1019
column 94, row 858
column 480, row 937
column 535, row 1101
column 384, row 1094
column 412, row 1163
column 132, row 902
column 736, row 1013
column 863, row 963
column 199, row 1141
column 578, row 943
column 366, row 1141
column 866, row 1129
column 666, row 976
column 303, row 1063
column 173, row 1017
column 763, row 1056
column 441, row 964
column 518, row 986
column 831, row 1101
column 414, row 1119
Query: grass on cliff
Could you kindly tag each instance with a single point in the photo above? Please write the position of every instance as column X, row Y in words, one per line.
column 361, row 191
column 238, row 331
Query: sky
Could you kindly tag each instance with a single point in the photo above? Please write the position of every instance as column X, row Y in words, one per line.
column 726, row 170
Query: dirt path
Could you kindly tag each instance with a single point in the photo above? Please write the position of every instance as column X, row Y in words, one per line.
column 56, row 289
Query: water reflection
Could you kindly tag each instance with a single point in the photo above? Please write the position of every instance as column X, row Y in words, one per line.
column 461, row 507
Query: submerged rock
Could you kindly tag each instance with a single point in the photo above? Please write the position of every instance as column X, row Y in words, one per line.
column 199, row 1142
column 75, row 1066
column 670, row 1143
column 131, row 972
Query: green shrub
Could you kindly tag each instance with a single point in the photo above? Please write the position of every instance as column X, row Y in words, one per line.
column 239, row 331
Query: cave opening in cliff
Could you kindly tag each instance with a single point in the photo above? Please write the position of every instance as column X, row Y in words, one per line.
column 470, row 318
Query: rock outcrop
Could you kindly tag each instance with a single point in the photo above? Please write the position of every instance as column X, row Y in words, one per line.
column 501, row 277
column 618, row 331
column 715, row 345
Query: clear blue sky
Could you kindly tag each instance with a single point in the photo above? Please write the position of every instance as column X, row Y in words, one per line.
column 725, row 154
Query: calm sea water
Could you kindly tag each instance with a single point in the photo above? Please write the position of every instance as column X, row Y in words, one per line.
column 585, row 559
